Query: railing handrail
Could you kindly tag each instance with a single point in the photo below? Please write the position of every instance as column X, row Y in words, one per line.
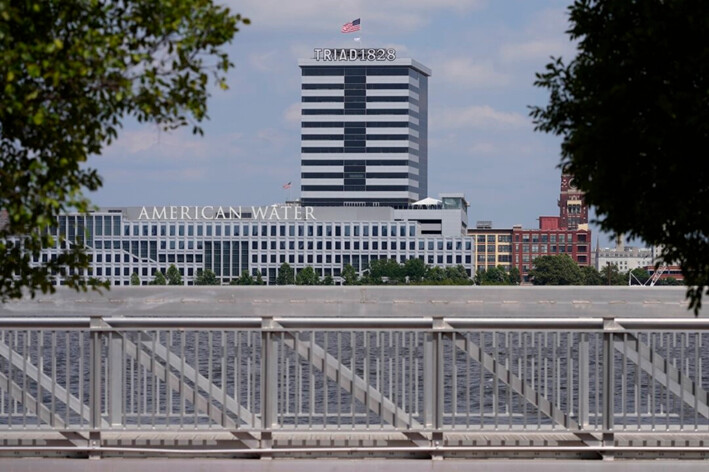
column 370, row 323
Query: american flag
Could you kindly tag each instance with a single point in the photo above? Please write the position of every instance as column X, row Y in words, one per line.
column 351, row 27
column 286, row 186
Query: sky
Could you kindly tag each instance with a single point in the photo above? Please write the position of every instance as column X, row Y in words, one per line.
column 483, row 55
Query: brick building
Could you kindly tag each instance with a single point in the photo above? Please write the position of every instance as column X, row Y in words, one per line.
column 567, row 233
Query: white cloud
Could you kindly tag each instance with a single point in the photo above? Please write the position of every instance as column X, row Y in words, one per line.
column 292, row 114
column 189, row 174
column 543, row 37
column 300, row 51
column 465, row 72
column 535, row 50
column 178, row 144
column 549, row 22
column 479, row 117
column 483, row 148
column 265, row 61
column 321, row 15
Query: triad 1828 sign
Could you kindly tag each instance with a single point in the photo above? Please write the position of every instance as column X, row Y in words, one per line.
column 352, row 54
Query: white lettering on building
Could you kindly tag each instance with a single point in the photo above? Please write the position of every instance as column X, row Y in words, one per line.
column 209, row 212
column 352, row 54
column 159, row 215
column 258, row 212
column 205, row 216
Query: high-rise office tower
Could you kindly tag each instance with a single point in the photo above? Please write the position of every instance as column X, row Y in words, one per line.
column 364, row 138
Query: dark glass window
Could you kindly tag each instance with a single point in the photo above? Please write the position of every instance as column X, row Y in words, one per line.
column 319, row 71
column 322, row 86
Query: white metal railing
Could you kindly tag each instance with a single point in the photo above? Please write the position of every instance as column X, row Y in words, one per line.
column 431, row 376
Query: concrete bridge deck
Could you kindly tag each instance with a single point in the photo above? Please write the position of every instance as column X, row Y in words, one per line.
column 366, row 301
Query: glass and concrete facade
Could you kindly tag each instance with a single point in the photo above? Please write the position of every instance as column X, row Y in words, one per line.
column 364, row 138
column 230, row 240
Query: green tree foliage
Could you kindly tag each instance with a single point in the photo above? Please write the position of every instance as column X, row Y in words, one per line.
column 259, row 279
column 668, row 281
column 307, row 276
column 327, row 280
column 631, row 109
column 159, row 279
column 493, row 276
column 611, row 275
column 286, row 275
column 134, row 279
column 173, row 275
column 349, row 275
column 244, row 279
column 555, row 270
column 639, row 276
column 436, row 275
column 515, row 276
column 458, row 275
column 415, row 270
column 206, row 277
column 590, row 276
column 389, row 270
column 71, row 71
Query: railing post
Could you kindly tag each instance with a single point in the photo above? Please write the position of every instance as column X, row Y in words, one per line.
column 610, row 327
column 584, row 391
column 114, row 368
column 433, row 382
column 269, row 383
column 96, row 328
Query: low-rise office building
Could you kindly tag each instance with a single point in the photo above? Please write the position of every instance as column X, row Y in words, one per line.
column 229, row 240
column 493, row 246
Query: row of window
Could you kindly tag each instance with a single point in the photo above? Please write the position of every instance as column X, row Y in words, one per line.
column 422, row 245
column 494, row 248
column 358, row 188
column 225, row 266
column 74, row 225
column 126, row 259
column 580, row 258
column 492, row 259
column 360, row 149
column 362, row 136
column 551, row 237
column 346, row 259
column 217, row 229
column 368, row 175
column 542, row 248
column 341, row 86
column 362, row 162
column 358, row 99
column 553, row 249
column 363, row 111
column 360, row 70
column 491, row 238
column 358, row 124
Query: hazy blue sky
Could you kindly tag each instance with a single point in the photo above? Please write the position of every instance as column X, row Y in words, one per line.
column 483, row 54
